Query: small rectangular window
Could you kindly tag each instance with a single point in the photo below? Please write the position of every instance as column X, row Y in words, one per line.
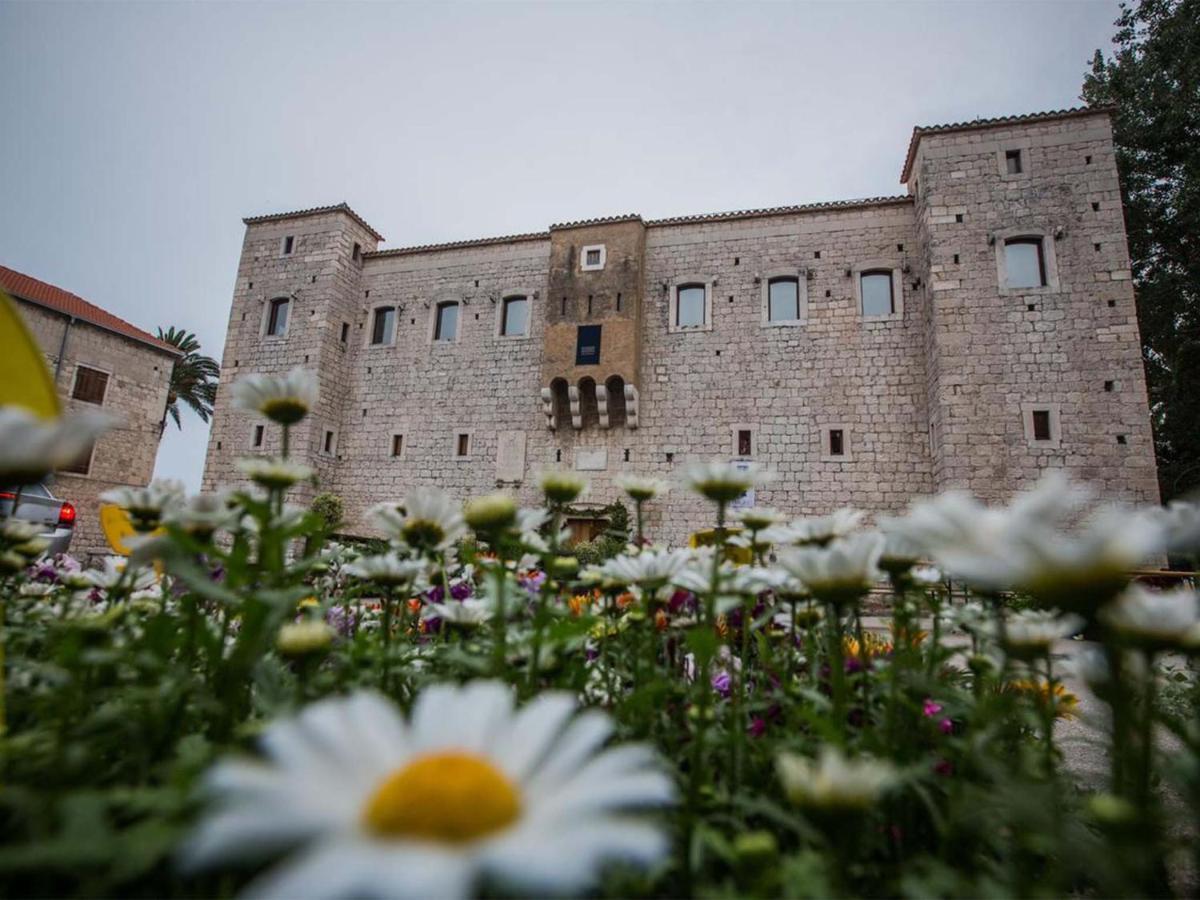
column 783, row 300
column 837, row 442
column 289, row 244
column 90, row 385
column 744, row 443
column 345, row 331
column 463, row 445
column 1012, row 162
column 876, row 289
column 82, row 465
column 618, row 301
column 1041, row 424
column 689, row 305
column 446, row 326
column 593, row 257
column 383, row 330
column 328, row 441
column 514, row 316
column 397, row 444
column 357, row 252
column 258, row 436
column 278, row 317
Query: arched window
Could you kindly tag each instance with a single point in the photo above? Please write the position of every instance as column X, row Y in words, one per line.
column 445, row 326
column 277, row 316
column 1024, row 262
column 875, row 286
column 783, row 299
column 383, row 328
column 514, row 317
column 589, row 411
column 616, row 401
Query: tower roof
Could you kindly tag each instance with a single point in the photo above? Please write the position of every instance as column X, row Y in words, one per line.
column 343, row 207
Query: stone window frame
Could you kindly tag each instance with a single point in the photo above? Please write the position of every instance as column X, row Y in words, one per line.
column 1055, row 411
column 801, row 276
column 268, row 305
column 403, row 454
column 733, row 445
column 108, row 380
column 509, row 294
column 283, row 245
column 1022, row 147
column 847, row 454
column 433, row 317
column 879, row 265
column 584, row 266
column 470, row 454
column 673, row 306
column 368, row 339
column 1045, row 234
column 331, row 453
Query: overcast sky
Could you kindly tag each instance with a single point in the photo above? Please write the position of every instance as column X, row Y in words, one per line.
column 134, row 137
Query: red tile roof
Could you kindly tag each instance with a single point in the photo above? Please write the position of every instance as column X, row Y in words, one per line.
column 998, row 122
column 39, row 292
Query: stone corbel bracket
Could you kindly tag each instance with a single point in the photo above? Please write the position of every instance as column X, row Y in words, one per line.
column 602, row 404
column 631, row 406
column 548, row 408
column 576, row 414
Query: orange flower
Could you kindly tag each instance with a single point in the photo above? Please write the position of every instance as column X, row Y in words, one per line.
column 625, row 600
column 722, row 625
column 874, row 645
column 1066, row 704
column 578, row 604
column 661, row 620
column 414, row 605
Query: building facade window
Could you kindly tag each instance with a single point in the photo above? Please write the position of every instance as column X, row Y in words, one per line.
column 287, row 245
column 82, row 465
column 329, row 443
column 277, row 316
column 745, row 442
column 90, row 385
column 397, row 445
column 383, row 328
column 592, row 258
column 689, row 309
column 256, row 438
column 514, row 316
column 345, row 332
column 1025, row 262
column 462, row 445
column 1042, row 425
column 877, row 295
column 835, row 443
column 783, row 299
column 1013, row 164
column 446, row 322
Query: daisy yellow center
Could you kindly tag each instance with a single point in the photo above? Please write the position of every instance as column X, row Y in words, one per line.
column 452, row 797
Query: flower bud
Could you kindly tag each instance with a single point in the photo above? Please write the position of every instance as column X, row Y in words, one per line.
column 491, row 514
column 298, row 639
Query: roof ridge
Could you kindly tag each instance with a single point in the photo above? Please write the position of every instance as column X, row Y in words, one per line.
column 28, row 288
column 313, row 211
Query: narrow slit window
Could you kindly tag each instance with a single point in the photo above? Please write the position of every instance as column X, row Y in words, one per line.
column 289, row 244
column 397, row 444
column 345, row 331
column 356, row 254
column 877, row 296
column 744, row 443
column 446, row 328
column 515, row 316
column 462, row 446
column 259, row 430
column 328, row 441
column 1024, row 263
column 383, row 329
column 1041, row 424
column 783, row 300
column 277, row 318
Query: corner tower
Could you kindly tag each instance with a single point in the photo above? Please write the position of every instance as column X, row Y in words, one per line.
column 297, row 291
column 591, row 364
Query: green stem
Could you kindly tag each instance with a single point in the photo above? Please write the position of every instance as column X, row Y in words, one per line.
column 500, row 627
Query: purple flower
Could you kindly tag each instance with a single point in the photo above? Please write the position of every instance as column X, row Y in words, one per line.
column 946, row 726
column 758, row 727
column 722, row 683
column 930, row 708
column 532, row 581
column 341, row 620
column 681, row 601
column 461, row 590
column 435, row 594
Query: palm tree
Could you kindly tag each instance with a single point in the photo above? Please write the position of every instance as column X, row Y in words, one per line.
column 194, row 380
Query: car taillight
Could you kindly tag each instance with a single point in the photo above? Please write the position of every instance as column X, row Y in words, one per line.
column 66, row 515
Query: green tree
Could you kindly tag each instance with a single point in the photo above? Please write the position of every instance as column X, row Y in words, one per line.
column 194, row 380
column 1152, row 81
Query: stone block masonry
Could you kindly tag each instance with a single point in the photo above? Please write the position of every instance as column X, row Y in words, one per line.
column 867, row 352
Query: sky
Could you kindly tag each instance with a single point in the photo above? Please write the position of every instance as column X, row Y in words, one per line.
column 134, row 137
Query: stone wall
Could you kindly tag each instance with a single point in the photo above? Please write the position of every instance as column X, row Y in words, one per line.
column 932, row 396
column 136, row 395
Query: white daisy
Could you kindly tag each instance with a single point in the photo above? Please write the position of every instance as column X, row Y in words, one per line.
column 428, row 521
column 723, row 482
column 1032, row 633
column 641, row 489
column 203, row 514
column 146, row 505
column 278, row 474
column 285, row 399
column 32, row 447
column 562, row 487
column 823, row 529
column 466, row 790
column 833, row 783
column 1157, row 620
column 386, row 569
column 115, row 571
column 757, row 518
column 842, row 571
column 469, row 613
column 649, row 570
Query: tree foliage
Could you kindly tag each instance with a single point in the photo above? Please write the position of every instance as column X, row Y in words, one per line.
column 1152, row 81
column 194, row 379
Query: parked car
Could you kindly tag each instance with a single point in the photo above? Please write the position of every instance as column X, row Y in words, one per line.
column 39, row 505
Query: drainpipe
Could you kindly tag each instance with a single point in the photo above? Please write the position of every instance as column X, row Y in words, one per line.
column 62, row 348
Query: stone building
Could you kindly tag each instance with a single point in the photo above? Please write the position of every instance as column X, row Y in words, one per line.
column 98, row 359
column 972, row 332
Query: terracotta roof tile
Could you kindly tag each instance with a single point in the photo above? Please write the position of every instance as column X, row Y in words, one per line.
column 55, row 298
column 999, row 121
column 782, row 210
column 314, row 211
column 458, row 245
column 602, row 220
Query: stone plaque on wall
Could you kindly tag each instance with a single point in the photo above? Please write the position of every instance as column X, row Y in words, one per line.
column 510, row 456
column 591, row 460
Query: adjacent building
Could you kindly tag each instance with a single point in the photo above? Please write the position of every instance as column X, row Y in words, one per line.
column 974, row 331
column 98, row 360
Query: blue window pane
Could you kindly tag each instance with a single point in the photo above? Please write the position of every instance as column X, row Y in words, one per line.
column 877, row 294
column 447, row 322
column 1023, row 264
column 691, row 306
column 385, row 326
column 516, row 314
column 783, row 299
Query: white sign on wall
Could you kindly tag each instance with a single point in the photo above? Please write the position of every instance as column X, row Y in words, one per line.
column 591, row 460
column 510, row 456
column 746, row 501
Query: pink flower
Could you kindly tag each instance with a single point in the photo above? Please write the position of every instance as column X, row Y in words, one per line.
column 943, row 767
column 946, row 726
column 931, row 708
